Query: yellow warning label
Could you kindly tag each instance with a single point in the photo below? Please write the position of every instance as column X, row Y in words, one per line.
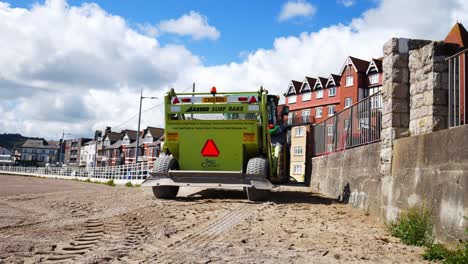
column 217, row 99
column 249, row 136
column 172, row 137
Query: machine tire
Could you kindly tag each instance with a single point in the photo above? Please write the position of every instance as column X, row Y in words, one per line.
column 257, row 166
column 164, row 164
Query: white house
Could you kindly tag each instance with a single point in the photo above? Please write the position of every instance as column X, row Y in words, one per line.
column 88, row 154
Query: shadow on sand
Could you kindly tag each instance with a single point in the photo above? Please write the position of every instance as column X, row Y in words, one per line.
column 278, row 197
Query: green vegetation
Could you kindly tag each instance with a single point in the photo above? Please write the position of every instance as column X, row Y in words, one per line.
column 137, row 185
column 129, row 184
column 110, row 183
column 413, row 227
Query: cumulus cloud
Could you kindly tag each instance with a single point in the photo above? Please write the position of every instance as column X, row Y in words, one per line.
column 192, row 24
column 80, row 68
column 347, row 3
column 298, row 8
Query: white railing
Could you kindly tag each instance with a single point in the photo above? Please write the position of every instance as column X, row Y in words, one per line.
column 134, row 173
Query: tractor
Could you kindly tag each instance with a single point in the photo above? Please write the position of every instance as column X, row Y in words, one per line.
column 220, row 140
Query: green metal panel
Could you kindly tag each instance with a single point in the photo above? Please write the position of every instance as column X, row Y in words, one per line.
column 236, row 140
column 190, row 136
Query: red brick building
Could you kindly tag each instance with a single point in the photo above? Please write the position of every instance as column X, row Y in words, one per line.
column 315, row 100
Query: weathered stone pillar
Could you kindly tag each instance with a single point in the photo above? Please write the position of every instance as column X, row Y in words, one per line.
column 428, row 85
column 395, row 99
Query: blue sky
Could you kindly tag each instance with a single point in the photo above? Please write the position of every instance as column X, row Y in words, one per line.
column 245, row 25
column 81, row 67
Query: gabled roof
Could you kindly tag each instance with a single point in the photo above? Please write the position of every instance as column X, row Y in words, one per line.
column 333, row 79
column 322, row 81
column 116, row 145
column 112, row 136
column 293, row 88
column 132, row 134
column 458, row 35
column 310, row 83
column 358, row 64
column 375, row 64
column 156, row 132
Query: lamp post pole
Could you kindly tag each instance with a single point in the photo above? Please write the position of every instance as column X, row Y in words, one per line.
column 139, row 121
column 60, row 146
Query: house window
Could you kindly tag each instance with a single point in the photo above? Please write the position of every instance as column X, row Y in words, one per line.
column 331, row 110
column 306, row 97
column 348, row 102
column 291, row 99
column 346, row 124
column 349, row 80
column 299, row 131
column 297, row 169
column 374, row 78
column 318, row 112
column 332, row 91
column 298, row 151
column 330, row 130
column 305, row 116
column 290, row 118
column 319, row 94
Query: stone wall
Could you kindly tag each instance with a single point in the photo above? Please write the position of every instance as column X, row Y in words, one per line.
column 428, row 85
column 351, row 176
column 412, row 165
column 429, row 169
column 395, row 98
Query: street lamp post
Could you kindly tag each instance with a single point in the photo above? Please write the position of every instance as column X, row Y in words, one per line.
column 139, row 121
column 60, row 146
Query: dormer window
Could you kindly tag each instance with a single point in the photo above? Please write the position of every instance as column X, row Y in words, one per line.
column 319, row 94
column 291, row 99
column 148, row 138
column 374, row 78
column 126, row 140
column 332, row 91
column 349, row 81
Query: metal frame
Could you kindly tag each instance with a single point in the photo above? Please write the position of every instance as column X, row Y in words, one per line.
column 357, row 125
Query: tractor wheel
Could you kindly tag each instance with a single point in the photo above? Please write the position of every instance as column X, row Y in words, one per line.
column 164, row 164
column 257, row 166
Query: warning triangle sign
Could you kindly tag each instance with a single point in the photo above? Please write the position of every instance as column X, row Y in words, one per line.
column 210, row 149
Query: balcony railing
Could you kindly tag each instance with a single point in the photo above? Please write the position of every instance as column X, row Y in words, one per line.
column 458, row 95
column 354, row 126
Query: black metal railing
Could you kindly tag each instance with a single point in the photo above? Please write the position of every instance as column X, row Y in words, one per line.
column 458, row 96
column 357, row 125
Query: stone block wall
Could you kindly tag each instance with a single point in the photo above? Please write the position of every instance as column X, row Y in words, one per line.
column 429, row 169
column 395, row 98
column 413, row 164
column 428, row 85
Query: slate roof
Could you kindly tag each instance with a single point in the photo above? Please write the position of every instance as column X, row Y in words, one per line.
column 40, row 143
column 156, row 132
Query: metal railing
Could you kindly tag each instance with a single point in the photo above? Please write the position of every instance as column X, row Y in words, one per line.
column 357, row 125
column 458, row 95
column 122, row 173
column 297, row 120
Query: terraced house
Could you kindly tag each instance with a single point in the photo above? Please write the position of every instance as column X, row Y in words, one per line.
column 315, row 100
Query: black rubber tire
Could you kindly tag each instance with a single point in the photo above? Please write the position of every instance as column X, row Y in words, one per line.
column 164, row 164
column 257, row 166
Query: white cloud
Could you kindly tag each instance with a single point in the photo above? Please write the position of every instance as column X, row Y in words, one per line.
column 192, row 24
column 80, row 68
column 347, row 3
column 297, row 8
